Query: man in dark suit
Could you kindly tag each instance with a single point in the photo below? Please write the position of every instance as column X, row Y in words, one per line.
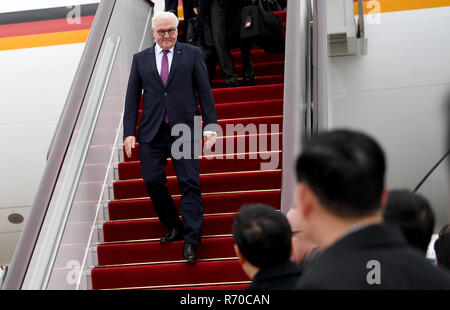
column 262, row 238
column 171, row 75
column 341, row 196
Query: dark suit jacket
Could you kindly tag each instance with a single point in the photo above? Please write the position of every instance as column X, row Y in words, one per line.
column 187, row 77
column 344, row 264
column 279, row 277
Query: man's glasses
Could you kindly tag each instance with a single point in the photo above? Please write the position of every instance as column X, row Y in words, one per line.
column 163, row 32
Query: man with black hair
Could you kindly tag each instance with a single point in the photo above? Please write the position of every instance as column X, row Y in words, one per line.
column 341, row 195
column 412, row 214
column 262, row 238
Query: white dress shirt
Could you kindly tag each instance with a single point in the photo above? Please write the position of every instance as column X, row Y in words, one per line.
column 159, row 55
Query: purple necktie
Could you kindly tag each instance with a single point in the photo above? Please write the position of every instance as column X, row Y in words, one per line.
column 165, row 76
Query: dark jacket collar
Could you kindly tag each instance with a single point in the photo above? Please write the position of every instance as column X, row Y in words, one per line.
column 378, row 235
column 281, row 270
column 178, row 47
column 177, row 53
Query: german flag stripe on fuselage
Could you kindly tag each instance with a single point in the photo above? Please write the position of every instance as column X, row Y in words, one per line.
column 387, row 6
column 46, row 27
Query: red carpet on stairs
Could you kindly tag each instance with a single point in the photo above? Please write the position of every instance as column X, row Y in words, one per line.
column 157, row 275
column 209, row 183
column 212, row 203
column 144, row 229
column 131, row 256
column 131, row 170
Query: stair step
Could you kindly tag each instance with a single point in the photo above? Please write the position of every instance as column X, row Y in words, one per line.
column 214, row 203
column 210, row 183
column 252, row 124
column 219, row 287
column 170, row 274
column 259, row 80
column 245, row 109
column 267, row 68
column 245, row 94
column 145, row 252
column 248, row 93
column 226, row 142
column 257, row 108
column 132, row 170
column 153, row 229
column 257, row 56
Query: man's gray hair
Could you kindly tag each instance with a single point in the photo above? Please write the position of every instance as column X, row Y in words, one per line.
column 163, row 16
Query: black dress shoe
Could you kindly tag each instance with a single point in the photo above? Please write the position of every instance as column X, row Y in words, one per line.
column 174, row 234
column 232, row 83
column 249, row 80
column 189, row 252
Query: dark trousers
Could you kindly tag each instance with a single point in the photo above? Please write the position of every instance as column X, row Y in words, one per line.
column 171, row 5
column 210, row 57
column 153, row 157
column 221, row 16
column 188, row 11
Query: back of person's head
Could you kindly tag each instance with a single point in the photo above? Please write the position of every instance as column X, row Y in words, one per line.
column 442, row 248
column 412, row 214
column 345, row 170
column 263, row 235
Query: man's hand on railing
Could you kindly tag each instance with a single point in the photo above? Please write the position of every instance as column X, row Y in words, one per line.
column 130, row 143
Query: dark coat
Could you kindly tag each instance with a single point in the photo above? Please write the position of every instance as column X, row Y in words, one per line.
column 187, row 76
column 205, row 21
column 344, row 265
column 279, row 277
column 233, row 31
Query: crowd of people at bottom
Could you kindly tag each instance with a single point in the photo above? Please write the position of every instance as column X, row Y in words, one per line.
column 346, row 231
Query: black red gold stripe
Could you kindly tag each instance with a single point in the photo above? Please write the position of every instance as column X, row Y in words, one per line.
column 386, row 6
column 45, row 27
column 45, row 14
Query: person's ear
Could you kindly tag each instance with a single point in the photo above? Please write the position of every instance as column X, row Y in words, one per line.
column 239, row 254
column 384, row 198
column 305, row 200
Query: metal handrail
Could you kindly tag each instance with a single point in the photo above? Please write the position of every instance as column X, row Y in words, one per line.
column 306, row 88
column 296, row 94
column 30, row 233
column 320, row 67
column 109, row 57
column 361, row 26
